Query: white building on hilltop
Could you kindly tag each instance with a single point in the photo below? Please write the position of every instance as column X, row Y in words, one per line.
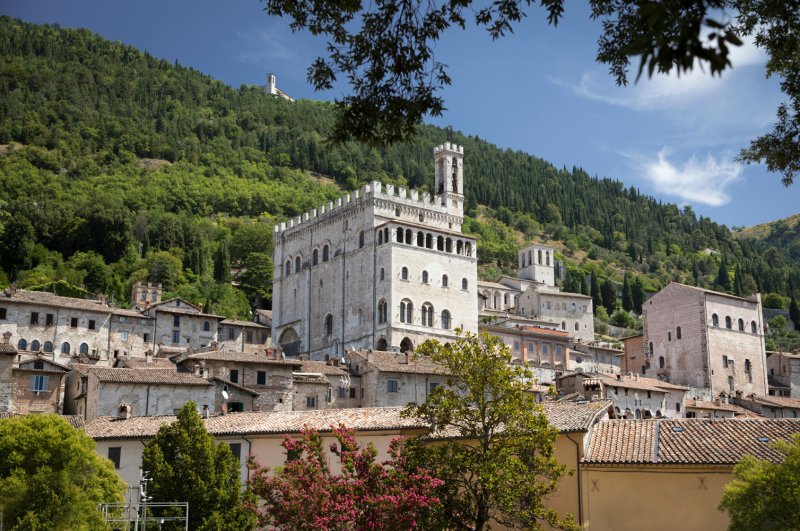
column 381, row 268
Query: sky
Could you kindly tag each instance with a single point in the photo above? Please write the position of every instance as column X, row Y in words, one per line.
column 539, row 91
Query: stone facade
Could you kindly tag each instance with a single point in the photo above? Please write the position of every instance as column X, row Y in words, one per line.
column 634, row 360
column 39, row 386
column 702, row 338
column 244, row 336
column 784, row 369
column 181, row 324
column 380, row 268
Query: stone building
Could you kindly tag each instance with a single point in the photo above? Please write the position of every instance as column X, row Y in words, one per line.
column 535, row 295
column 394, row 378
column 345, row 387
column 702, row 338
column 178, row 323
column 784, row 373
column 381, row 268
column 634, row 359
column 533, row 345
column 244, row 336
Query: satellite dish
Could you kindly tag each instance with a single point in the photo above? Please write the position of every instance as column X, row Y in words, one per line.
column 225, row 395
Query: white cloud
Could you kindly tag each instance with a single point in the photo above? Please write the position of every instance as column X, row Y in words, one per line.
column 698, row 181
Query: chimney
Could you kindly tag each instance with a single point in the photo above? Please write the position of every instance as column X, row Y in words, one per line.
column 101, row 298
column 125, row 411
column 718, row 401
column 7, row 338
column 12, row 290
column 407, row 357
column 148, row 356
column 206, row 412
column 197, row 371
column 335, row 362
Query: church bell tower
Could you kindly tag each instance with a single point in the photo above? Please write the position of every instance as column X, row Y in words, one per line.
column 448, row 160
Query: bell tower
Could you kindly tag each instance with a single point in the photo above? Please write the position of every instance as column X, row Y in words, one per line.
column 448, row 161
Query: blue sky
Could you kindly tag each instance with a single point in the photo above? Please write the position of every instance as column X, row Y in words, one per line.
column 538, row 90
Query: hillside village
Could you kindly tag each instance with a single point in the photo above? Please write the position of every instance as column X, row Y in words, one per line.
column 359, row 283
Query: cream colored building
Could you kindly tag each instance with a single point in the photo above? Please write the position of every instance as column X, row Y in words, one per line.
column 382, row 268
column 702, row 338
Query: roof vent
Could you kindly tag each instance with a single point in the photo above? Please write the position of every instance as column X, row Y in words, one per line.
column 763, row 439
column 677, row 429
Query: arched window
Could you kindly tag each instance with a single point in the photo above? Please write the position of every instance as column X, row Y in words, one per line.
column 678, row 332
column 328, row 325
column 288, row 268
column 728, row 322
column 448, row 245
column 445, row 320
column 297, row 264
column 406, row 345
column 464, row 283
column 382, row 311
column 741, row 325
column 406, row 311
column 496, row 300
column 429, row 241
column 383, row 273
column 325, row 253
column 424, row 277
column 206, row 326
column 22, row 345
column 315, row 257
column 547, row 257
column 400, row 236
column 540, row 256
column 84, row 348
column 661, row 362
column 154, row 296
column 409, row 236
column 48, row 346
column 404, row 273
column 714, row 320
column 753, row 327
column 427, row 314
column 420, row 239
column 144, row 296
column 651, row 348
column 563, row 325
column 455, row 176
column 577, row 326
column 382, row 344
column 361, row 239
column 380, row 237
column 440, row 243
column 65, row 348
column 35, row 345
column 386, row 234
column 444, row 281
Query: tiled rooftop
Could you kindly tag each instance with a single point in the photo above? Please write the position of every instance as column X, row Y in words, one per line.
column 238, row 322
column 146, row 376
column 396, row 362
column 777, row 401
column 640, row 383
column 687, row 441
column 240, row 357
column 49, row 299
column 322, row 367
column 713, row 406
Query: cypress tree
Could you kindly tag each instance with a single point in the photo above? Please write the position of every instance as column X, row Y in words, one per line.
column 222, row 263
column 627, row 294
column 723, row 278
column 597, row 300
column 794, row 313
column 637, row 293
column 609, row 295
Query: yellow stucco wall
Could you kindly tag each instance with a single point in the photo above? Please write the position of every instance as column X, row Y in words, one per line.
column 653, row 498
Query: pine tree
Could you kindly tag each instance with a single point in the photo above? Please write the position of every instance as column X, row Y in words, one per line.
column 222, row 263
column 609, row 294
column 627, row 294
column 723, row 278
column 737, row 281
column 597, row 299
column 794, row 313
column 637, row 293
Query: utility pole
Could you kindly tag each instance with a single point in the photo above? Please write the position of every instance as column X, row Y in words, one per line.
column 143, row 497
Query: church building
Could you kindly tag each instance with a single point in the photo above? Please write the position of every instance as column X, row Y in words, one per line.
column 382, row 268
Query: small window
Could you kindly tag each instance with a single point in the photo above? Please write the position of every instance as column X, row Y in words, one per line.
column 563, row 325
column 146, row 337
column 383, row 274
column 248, row 336
column 328, row 325
column 235, row 407
column 661, row 362
column 427, row 314
column 287, row 268
column 84, row 348
column 115, row 455
column 235, row 375
column 651, row 348
column 34, row 318
column 714, row 320
column 176, row 336
column 577, row 327
column 753, row 328
column 678, row 333
column 464, row 283
column 741, row 325
column 231, row 333
column 444, row 281
column 124, row 335
column 361, row 239
column 35, row 345
column 2, row 313
column 728, row 322
column 382, row 311
column 261, row 378
column 392, row 386
column 432, row 386
column 92, row 324
column 48, row 320
column 669, row 336
column 404, row 273
column 342, row 392
column 176, row 321
column 143, row 296
column 315, row 257
column 325, row 253
column 73, row 322
column 65, row 348
column 516, row 345
column 558, row 353
column 424, row 277
column 206, row 326
column 352, row 392
column 730, row 383
column 724, row 362
column 298, row 265
column 311, row 401
column 39, row 383
column 445, row 320
column 48, row 346
column 154, row 296
column 121, row 319
column 236, row 450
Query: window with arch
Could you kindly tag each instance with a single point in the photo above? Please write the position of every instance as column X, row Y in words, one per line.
column 539, row 253
column 386, row 234
column 144, row 296
column 427, row 314
column 206, row 326
column 329, row 325
column 445, row 320
column 563, row 325
column 661, row 362
column 464, row 283
column 678, row 333
column 361, row 239
column 577, row 326
column 154, row 296
column 424, row 277
column 651, row 348
column 325, row 253
column 298, row 264
column 84, row 348
column 399, row 237
column 420, row 239
column 741, row 324
column 65, row 348
column 714, row 320
column 315, row 257
column 728, row 322
column 22, row 345
column 383, row 274
column 380, row 237
column 440, row 243
column 48, row 346
column 288, row 268
column 382, row 311
column 753, row 327
column 404, row 273
column 444, row 281
column 547, row 258
column 35, row 345
column 406, row 311
column 505, row 299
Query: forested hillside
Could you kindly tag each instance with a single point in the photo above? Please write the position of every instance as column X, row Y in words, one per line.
column 117, row 166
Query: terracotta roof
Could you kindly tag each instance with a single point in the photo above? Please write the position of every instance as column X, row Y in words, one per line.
column 237, row 322
column 688, row 441
column 640, row 383
column 712, row 292
column 130, row 313
column 771, row 382
column 271, row 422
column 713, row 406
column 396, row 362
column 309, row 377
column 48, row 299
column 75, row 420
column 496, row 285
column 776, row 401
column 239, row 357
column 6, row 348
column 235, row 385
column 155, row 363
column 143, row 376
column 322, row 367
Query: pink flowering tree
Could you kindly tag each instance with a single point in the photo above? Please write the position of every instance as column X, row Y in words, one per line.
column 305, row 494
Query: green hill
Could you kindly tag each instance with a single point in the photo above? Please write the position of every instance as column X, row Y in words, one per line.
column 116, row 166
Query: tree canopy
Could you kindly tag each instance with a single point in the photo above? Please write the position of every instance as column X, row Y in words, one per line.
column 385, row 50
column 51, row 477
column 492, row 445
